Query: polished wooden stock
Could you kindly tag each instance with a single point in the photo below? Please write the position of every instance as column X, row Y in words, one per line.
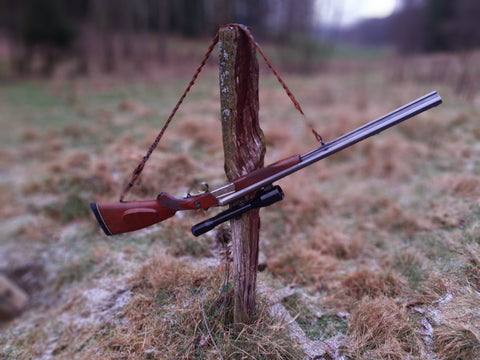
column 121, row 217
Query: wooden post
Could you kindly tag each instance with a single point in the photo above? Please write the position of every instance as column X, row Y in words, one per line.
column 244, row 150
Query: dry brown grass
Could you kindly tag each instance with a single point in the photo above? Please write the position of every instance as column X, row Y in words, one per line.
column 465, row 186
column 373, row 283
column 457, row 334
column 457, row 342
column 472, row 265
column 164, row 319
column 382, row 158
column 336, row 244
column 379, row 328
column 382, row 236
column 300, row 265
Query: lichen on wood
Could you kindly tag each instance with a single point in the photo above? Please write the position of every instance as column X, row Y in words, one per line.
column 244, row 151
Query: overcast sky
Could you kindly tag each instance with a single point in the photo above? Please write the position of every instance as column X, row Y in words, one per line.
column 347, row 12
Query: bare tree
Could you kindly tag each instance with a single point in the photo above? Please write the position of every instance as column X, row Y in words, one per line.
column 163, row 11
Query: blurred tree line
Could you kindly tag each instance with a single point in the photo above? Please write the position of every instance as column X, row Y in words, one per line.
column 105, row 33
column 424, row 26
column 42, row 32
column 437, row 25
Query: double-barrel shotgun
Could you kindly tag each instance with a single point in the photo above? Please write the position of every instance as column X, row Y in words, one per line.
column 121, row 217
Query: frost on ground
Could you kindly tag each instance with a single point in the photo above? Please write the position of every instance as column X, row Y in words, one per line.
column 375, row 250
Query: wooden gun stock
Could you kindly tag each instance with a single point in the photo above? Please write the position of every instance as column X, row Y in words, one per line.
column 121, row 217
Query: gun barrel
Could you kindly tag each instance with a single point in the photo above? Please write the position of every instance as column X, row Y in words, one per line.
column 371, row 128
column 375, row 126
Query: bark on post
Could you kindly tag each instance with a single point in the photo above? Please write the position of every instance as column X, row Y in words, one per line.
column 244, row 151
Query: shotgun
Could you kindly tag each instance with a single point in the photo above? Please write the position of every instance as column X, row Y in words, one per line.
column 121, row 217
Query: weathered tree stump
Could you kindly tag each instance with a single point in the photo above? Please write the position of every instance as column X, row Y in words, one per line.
column 244, row 151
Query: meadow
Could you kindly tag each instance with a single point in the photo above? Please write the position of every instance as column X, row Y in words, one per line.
column 373, row 254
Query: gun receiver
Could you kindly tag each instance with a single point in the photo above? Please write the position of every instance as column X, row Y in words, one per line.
column 121, row 217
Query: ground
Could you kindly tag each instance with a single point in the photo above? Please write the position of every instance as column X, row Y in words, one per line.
column 376, row 249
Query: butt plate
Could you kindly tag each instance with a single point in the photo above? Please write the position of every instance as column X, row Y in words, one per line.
column 100, row 220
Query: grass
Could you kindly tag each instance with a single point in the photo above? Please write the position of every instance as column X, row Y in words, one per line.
column 385, row 333
column 380, row 243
